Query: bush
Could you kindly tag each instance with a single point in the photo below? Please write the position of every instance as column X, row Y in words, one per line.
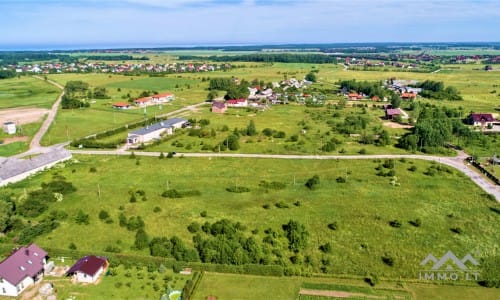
column 266, row 206
column 281, row 204
column 333, row 226
column 237, row 189
column 72, row 246
column 412, row 168
column 103, row 215
column 341, row 179
column 326, row 248
column 372, row 279
column 203, row 214
column 456, row 230
column 82, row 218
column 194, row 227
column 388, row 260
column 417, row 222
column 157, row 209
column 312, row 182
column 395, row 223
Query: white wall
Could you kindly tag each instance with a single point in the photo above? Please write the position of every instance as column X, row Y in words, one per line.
column 11, row 290
column 81, row 277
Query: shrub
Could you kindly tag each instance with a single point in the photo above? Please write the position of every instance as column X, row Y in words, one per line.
column 388, row 260
column 266, row 206
column 82, row 218
column 281, row 204
column 103, row 215
column 457, row 230
column 92, row 170
column 326, row 248
column 341, row 179
column 333, row 226
column 171, row 194
column 395, row 223
column 72, row 246
column 157, row 209
column 417, row 222
column 372, row 279
column 412, row 168
column 297, row 203
column 362, row 151
column 203, row 214
column 194, row 227
column 388, row 164
column 237, row 189
column 312, row 182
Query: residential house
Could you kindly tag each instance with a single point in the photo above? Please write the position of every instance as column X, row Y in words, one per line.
column 162, row 98
column 481, row 119
column 354, row 96
column 408, row 96
column 9, row 127
column 375, row 98
column 219, row 107
column 237, row 102
column 88, row 269
column 121, row 105
column 392, row 113
column 155, row 131
column 23, row 268
column 143, row 101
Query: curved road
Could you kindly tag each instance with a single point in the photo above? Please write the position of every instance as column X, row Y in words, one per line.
column 455, row 162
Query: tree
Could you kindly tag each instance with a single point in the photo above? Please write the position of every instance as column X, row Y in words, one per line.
column 251, row 131
column 212, row 95
column 395, row 101
column 297, row 235
column 82, row 218
column 6, row 210
column 384, row 138
column 312, row 182
column 141, row 239
column 232, row 142
column 311, row 77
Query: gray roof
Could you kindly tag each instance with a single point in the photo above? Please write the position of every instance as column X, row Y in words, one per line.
column 154, row 127
column 11, row 167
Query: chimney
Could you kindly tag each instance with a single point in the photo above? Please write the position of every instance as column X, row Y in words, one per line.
column 27, row 252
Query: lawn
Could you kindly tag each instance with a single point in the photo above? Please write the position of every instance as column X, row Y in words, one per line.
column 132, row 283
column 362, row 207
column 26, row 130
column 27, row 91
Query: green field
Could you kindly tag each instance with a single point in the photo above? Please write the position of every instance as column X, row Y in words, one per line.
column 27, row 91
column 10, row 149
column 231, row 286
column 362, row 207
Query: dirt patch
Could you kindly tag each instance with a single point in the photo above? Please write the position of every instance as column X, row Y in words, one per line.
column 337, row 294
column 15, row 139
column 22, row 115
column 397, row 125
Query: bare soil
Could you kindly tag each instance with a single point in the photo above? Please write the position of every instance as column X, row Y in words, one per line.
column 14, row 139
column 337, row 294
column 396, row 125
column 22, row 115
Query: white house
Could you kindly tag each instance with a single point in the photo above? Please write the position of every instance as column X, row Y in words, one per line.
column 23, row 268
column 88, row 269
column 9, row 127
column 155, row 131
column 162, row 98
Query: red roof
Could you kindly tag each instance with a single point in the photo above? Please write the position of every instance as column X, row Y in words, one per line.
column 408, row 95
column 88, row 265
column 121, row 104
column 236, row 101
column 24, row 262
column 375, row 98
column 482, row 117
column 145, row 99
column 353, row 95
column 393, row 112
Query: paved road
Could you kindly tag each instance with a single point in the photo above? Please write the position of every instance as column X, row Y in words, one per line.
column 455, row 162
column 35, row 142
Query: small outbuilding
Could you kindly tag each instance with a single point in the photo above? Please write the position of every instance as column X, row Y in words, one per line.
column 219, row 107
column 88, row 269
column 9, row 127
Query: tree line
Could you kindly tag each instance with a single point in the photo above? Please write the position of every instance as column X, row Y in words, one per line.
column 269, row 58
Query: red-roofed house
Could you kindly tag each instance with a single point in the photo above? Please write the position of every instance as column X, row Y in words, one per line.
column 478, row 119
column 237, row 102
column 88, row 269
column 162, row 98
column 407, row 96
column 23, row 268
column 121, row 105
column 143, row 101
column 375, row 98
column 354, row 96
column 391, row 113
column 219, row 107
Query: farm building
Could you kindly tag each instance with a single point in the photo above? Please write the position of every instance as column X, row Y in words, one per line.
column 155, row 131
column 121, row 105
column 219, row 107
column 88, row 269
column 391, row 113
column 23, row 268
column 155, row 99
column 9, row 127
column 480, row 119
column 237, row 103
column 407, row 96
column 354, row 96
column 15, row 169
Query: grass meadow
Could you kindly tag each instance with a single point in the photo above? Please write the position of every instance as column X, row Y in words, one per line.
column 362, row 207
column 27, row 91
column 28, row 130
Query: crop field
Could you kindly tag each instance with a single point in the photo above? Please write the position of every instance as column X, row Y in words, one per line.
column 363, row 207
column 27, row 91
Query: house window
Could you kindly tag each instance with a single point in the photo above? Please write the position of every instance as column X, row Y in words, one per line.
column 4, row 291
column 22, row 268
column 29, row 262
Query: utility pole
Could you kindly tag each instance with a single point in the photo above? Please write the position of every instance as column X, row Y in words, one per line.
column 99, row 191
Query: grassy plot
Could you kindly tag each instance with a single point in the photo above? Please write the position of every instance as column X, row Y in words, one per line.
column 363, row 208
column 27, row 91
column 231, row 286
column 131, row 283
column 25, row 131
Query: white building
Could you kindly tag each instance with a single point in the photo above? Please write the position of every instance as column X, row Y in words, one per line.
column 155, row 131
column 9, row 127
column 88, row 269
column 23, row 268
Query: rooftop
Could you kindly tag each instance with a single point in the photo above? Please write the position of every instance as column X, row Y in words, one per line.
column 157, row 126
column 88, row 265
column 24, row 262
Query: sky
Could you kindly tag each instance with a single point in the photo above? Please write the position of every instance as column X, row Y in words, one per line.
column 154, row 23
